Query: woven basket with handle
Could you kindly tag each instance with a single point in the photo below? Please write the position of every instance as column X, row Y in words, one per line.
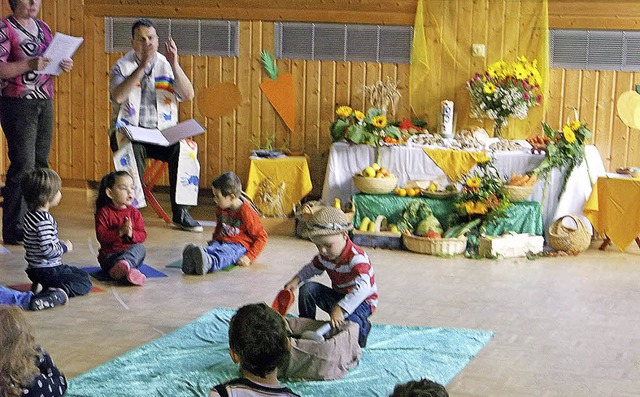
column 568, row 239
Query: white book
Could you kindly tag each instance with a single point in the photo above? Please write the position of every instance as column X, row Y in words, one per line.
column 166, row 137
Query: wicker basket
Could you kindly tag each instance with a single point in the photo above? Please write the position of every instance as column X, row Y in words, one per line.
column 375, row 185
column 435, row 246
column 570, row 240
column 517, row 193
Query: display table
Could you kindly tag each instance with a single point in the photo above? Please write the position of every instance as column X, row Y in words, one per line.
column 524, row 217
column 614, row 210
column 410, row 163
column 293, row 171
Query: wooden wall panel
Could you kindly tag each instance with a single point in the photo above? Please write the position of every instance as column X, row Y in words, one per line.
column 81, row 150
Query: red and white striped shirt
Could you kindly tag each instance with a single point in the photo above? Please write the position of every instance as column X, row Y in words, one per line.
column 351, row 274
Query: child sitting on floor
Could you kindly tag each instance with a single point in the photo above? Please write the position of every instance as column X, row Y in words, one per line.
column 25, row 368
column 43, row 249
column 354, row 292
column 420, row 388
column 258, row 341
column 120, row 229
column 29, row 301
column 239, row 236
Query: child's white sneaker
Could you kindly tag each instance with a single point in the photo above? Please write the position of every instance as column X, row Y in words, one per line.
column 48, row 299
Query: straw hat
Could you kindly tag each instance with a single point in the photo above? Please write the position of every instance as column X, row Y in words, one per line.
column 327, row 221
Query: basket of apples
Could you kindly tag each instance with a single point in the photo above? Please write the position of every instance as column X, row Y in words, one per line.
column 375, row 180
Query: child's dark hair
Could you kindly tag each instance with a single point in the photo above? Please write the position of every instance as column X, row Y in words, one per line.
column 228, row 183
column 39, row 187
column 258, row 335
column 420, row 388
column 107, row 182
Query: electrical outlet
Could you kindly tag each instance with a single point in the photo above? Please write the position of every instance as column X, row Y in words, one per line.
column 478, row 50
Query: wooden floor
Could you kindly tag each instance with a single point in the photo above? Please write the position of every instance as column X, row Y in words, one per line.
column 563, row 326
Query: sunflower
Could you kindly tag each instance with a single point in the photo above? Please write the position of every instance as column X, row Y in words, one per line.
column 344, row 111
column 568, row 133
column 474, row 182
column 575, row 124
column 469, row 207
column 359, row 115
column 481, row 208
column 379, row 121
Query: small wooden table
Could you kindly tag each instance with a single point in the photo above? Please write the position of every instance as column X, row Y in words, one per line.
column 289, row 176
column 614, row 210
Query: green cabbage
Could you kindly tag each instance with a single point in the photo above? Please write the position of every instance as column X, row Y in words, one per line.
column 428, row 223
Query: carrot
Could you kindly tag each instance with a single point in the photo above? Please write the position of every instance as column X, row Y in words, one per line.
column 279, row 91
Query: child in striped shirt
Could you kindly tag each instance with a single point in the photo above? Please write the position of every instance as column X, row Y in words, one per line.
column 353, row 294
column 43, row 249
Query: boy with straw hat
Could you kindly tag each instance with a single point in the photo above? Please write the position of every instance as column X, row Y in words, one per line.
column 353, row 293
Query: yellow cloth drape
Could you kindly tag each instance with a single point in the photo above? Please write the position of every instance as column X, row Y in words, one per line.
column 441, row 59
column 614, row 209
column 419, row 68
column 292, row 170
column 455, row 163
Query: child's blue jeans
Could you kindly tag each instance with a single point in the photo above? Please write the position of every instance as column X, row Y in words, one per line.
column 134, row 255
column 15, row 298
column 224, row 254
column 314, row 294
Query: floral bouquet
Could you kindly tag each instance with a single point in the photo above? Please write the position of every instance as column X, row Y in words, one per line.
column 370, row 129
column 505, row 90
column 565, row 150
column 481, row 195
column 480, row 201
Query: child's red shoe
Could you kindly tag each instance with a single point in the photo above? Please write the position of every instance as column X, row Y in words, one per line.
column 120, row 270
column 136, row 277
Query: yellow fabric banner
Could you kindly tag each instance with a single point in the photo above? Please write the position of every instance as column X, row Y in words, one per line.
column 419, row 69
column 442, row 60
column 455, row 163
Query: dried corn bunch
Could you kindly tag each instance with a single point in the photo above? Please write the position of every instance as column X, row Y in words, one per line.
column 270, row 198
column 384, row 95
column 522, row 180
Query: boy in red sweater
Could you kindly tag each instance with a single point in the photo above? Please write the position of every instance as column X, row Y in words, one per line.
column 239, row 236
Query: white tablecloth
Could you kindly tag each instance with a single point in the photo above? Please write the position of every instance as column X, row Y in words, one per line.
column 411, row 163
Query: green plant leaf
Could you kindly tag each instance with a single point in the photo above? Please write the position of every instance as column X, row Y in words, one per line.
column 393, row 132
column 358, row 134
column 269, row 65
column 337, row 129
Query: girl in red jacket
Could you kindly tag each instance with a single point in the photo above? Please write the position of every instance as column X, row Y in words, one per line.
column 120, row 229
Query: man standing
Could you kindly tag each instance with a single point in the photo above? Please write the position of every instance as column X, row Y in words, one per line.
column 145, row 88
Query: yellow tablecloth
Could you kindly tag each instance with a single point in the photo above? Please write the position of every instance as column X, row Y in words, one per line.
column 614, row 209
column 293, row 171
column 455, row 163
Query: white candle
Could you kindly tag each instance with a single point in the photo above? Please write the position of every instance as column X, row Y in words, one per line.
column 446, row 119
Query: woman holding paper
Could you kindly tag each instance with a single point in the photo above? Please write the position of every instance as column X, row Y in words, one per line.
column 26, row 104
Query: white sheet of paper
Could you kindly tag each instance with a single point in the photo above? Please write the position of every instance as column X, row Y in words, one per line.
column 146, row 135
column 62, row 47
